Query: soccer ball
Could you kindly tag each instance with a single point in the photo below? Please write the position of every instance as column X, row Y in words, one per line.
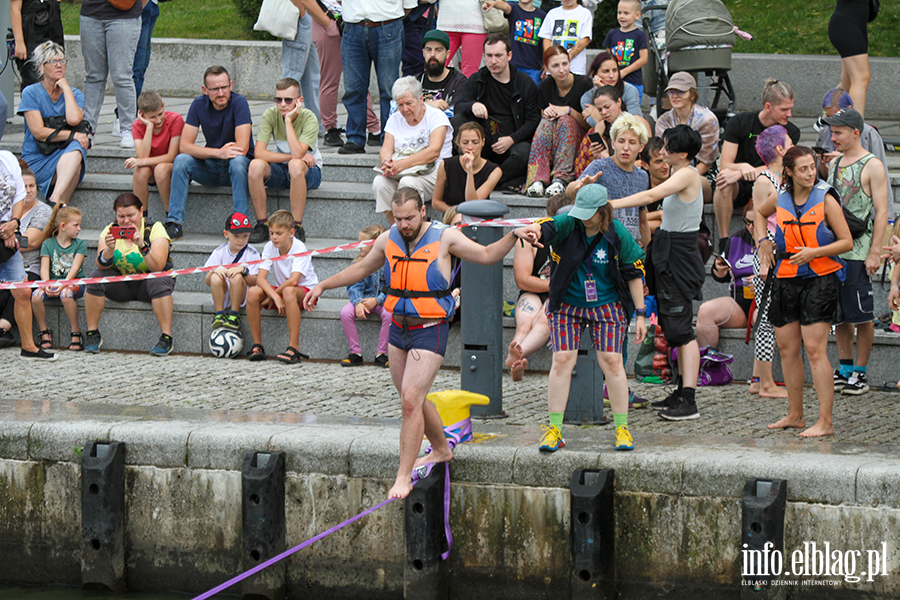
column 225, row 343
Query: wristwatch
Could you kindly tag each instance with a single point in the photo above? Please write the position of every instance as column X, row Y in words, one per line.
column 641, row 312
column 245, row 271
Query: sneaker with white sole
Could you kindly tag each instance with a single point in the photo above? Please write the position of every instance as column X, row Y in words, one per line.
column 680, row 410
column 126, row 141
column 857, row 384
column 839, row 380
column 535, row 190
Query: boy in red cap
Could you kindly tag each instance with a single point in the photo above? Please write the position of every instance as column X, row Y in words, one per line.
column 234, row 277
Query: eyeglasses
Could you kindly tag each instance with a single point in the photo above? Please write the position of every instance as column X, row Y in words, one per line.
column 216, row 90
column 284, row 100
column 748, row 222
column 59, row 62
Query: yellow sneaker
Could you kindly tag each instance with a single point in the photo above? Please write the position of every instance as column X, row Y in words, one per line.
column 552, row 440
column 624, row 441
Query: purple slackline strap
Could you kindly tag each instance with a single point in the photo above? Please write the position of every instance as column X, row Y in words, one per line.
column 455, row 433
column 285, row 554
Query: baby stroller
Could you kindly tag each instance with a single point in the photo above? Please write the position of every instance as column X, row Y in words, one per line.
column 699, row 38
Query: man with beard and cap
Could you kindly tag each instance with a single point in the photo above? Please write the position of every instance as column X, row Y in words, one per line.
column 440, row 83
column 415, row 255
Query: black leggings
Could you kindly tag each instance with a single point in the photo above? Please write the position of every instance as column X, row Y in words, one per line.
column 847, row 29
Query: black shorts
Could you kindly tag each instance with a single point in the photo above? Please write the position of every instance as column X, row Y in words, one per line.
column 848, row 28
column 808, row 300
column 676, row 312
column 856, row 296
column 744, row 194
column 432, row 338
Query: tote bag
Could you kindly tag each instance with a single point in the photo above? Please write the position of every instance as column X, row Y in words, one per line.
column 278, row 17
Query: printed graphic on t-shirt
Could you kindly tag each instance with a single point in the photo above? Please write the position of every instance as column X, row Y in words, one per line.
column 565, row 33
column 526, row 31
column 624, row 52
column 432, row 95
column 600, row 257
column 60, row 264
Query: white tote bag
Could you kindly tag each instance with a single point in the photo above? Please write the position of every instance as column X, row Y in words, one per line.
column 278, row 17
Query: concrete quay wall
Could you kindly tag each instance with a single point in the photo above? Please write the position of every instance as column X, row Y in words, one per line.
column 678, row 509
column 177, row 65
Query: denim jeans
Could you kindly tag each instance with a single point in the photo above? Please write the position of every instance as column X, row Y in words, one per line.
column 108, row 47
column 360, row 47
column 142, row 55
column 300, row 61
column 212, row 171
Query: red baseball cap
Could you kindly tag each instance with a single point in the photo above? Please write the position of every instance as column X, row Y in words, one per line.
column 238, row 223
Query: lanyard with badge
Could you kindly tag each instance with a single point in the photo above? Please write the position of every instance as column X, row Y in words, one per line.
column 590, row 286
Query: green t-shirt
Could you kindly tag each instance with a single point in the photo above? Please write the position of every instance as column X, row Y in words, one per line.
column 306, row 126
column 61, row 259
column 598, row 266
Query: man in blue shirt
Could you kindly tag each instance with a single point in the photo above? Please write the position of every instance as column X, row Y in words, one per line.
column 224, row 118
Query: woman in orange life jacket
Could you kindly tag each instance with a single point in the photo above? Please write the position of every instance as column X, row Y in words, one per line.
column 811, row 233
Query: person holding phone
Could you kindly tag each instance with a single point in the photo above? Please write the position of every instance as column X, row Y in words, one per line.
column 606, row 107
column 12, row 269
column 136, row 247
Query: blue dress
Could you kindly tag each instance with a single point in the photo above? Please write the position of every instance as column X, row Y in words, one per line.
column 35, row 97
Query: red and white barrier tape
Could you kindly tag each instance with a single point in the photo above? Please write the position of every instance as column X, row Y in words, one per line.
column 194, row 270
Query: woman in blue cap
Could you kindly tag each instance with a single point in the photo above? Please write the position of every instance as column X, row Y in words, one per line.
column 596, row 283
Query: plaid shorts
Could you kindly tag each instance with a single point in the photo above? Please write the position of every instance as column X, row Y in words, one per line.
column 606, row 324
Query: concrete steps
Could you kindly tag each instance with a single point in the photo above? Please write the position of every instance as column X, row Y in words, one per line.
column 335, row 213
column 131, row 326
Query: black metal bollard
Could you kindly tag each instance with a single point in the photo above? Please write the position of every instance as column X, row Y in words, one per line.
column 425, row 574
column 482, row 319
column 263, row 524
column 762, row 538
column 593, row 534
column 585, row 403
column 103, row 516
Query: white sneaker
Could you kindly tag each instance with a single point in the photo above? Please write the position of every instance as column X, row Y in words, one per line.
column 535, row 190
column 126, row 140
column 557, row 187
column 115, row 130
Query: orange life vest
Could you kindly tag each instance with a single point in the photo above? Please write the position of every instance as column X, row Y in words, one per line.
column 415, row 285
column 804, row 226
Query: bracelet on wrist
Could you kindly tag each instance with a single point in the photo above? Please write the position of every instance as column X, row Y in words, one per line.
column 641, row 312
column 763, row 239
column 105, row 262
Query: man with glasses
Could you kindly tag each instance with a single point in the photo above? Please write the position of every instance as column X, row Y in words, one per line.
column 295, row 162
column 224, row 117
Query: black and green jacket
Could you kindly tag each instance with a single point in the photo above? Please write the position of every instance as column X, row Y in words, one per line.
column 566, row 237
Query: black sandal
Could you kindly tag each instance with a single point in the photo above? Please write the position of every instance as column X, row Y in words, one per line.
column 46, row 344
column 257, row 353
column 291, row 356
column 79, row 345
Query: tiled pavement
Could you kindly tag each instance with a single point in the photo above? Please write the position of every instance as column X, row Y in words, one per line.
column 327, row 389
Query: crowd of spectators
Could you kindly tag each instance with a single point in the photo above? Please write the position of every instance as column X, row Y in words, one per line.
column 536, row 119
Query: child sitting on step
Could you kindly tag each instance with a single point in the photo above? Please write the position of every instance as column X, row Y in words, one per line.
column 62, row 257
column 294, row 277
column 230, row 282
column 366, row 296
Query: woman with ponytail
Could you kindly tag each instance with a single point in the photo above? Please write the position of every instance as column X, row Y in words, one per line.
column 62, row 257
